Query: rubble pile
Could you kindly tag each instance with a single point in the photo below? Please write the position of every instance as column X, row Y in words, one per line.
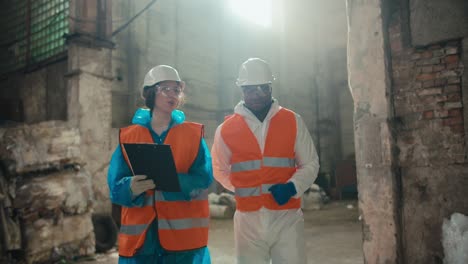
column 222, row 206
column 314, row 198
column 46, row 190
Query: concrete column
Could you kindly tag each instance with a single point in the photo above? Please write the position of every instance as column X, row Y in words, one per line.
column 369, row 81
column 89, row 83
column 91, row 17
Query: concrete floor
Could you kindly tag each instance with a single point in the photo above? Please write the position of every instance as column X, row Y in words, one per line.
column 333, row 236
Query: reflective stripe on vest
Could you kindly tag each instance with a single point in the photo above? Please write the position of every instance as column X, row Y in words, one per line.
column 165, row 223
column 253, row 173
column 178, row 224
column 254, row 191
column 159, row 197
column 177, row 220
column 267, row 162
column 279, row 162
column 246, row 166
column 133, row 229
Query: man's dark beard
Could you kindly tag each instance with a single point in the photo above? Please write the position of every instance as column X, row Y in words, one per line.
column 262, row 113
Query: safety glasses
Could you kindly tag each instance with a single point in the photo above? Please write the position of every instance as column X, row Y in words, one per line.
column 168, row 90
column 261, row 90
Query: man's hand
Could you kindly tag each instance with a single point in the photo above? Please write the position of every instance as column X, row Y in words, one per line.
column 283, row 192
column 138, row 184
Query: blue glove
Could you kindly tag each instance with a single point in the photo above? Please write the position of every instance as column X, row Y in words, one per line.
column 283, row 192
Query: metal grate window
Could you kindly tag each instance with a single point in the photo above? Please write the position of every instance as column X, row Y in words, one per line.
column 32, row 32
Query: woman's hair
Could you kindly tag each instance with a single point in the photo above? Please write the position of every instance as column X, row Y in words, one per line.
column 149, row 95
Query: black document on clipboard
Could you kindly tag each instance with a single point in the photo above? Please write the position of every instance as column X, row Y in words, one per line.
column 155, row 161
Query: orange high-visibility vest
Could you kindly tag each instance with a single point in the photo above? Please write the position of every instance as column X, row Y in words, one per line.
column 182, row 225
column 252, row 172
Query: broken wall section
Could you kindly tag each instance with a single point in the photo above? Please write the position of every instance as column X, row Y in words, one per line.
column 428, row 98
column 46, row 190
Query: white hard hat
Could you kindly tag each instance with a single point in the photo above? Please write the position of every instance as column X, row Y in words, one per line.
column 161, row 73
column 254, row 71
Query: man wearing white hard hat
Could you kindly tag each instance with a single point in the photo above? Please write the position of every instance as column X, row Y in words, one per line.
column 265, row 155
column 157, row 226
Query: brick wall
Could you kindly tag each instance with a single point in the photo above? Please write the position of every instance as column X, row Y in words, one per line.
column 428, row 102
column 428, row 107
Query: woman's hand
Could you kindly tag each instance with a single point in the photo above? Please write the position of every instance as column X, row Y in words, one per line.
column 138, row 184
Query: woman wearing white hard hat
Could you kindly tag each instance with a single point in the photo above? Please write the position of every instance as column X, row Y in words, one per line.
column 265, row 155
column 157, row 226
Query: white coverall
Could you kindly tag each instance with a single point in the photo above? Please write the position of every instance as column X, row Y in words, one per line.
column 264, row 235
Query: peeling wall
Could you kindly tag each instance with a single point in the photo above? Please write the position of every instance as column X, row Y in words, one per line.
column 409, row 127
column 35, row 96
column 430, row 114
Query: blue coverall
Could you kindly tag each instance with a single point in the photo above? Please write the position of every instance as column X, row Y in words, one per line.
column 198, row 179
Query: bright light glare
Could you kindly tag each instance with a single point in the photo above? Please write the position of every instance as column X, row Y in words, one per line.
column 255, row 11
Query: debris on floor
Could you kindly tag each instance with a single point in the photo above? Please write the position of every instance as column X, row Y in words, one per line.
column 314, row 198
column 222, row 206
column 455, row 239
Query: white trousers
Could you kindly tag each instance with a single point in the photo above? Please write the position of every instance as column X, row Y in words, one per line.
column 268, row 235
